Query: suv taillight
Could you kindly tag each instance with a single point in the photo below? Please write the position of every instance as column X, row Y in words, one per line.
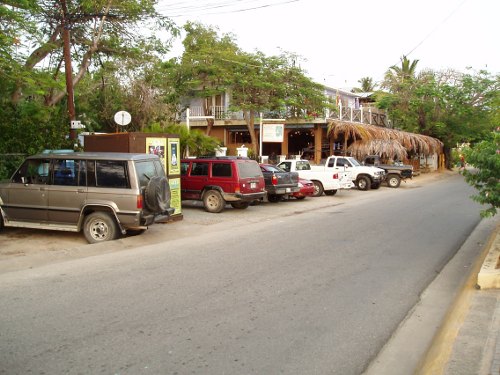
column 140, row 201
column 274, row 180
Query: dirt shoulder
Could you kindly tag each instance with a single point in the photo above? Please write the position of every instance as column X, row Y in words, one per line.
column 30, row 248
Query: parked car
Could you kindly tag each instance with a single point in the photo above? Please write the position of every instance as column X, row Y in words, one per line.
column 220, row 180
column 324, row 180
column 306, row 189
column 395, row 172
column 100, row 193
column 279, row 183
column 365, row 177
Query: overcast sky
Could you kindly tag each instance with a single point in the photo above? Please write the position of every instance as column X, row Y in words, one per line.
column 343, row 41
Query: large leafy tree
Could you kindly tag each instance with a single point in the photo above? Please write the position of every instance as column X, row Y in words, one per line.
column 451, row 106
column 99, row 29
column 213, row 64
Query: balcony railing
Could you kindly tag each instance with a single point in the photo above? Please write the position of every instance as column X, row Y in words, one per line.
column 368, row 115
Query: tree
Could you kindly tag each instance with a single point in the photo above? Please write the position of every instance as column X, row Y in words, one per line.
column 451, row 106
column 100, row 30
column 485, row 156
column 367, row 85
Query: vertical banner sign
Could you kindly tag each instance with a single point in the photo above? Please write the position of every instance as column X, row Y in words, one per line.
column 273, row 132
column 173, row 159
column 175, row 194
column 157, row 146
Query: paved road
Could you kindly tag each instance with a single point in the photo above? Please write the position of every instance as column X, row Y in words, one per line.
column 315, row 292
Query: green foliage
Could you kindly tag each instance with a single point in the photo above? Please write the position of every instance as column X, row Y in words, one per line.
column 28, row 129
column 485, row 157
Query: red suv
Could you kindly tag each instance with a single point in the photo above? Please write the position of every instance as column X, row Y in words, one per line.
column 217, row 180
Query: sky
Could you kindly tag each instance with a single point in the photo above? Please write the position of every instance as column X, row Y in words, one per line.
column 342, row 41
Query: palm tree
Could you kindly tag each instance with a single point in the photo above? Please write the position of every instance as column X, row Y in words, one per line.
column 406, row 71
column 367, row 85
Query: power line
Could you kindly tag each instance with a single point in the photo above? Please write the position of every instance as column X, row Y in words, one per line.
column 436, row 28
column 214, row 8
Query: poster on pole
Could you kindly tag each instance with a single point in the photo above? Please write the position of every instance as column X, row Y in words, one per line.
column 173, row 153
column 273, row 132
column 158, row 147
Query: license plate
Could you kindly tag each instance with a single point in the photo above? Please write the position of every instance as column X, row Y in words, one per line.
column 288, row 190
column 253, row 185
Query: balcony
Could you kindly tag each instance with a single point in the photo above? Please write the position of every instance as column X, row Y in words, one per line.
column 368, row 115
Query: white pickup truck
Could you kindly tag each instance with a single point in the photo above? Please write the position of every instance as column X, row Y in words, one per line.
column 365, row 177
column 324, row 181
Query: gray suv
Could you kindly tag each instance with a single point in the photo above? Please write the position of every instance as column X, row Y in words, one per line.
column 103, row 194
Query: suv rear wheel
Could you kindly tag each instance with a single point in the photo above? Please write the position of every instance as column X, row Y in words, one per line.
column 99, row 227
column 213, row 201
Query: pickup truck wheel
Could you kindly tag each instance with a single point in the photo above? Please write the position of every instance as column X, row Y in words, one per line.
column 273, row 198
column 393, row 180
column 363, row 183
column 318, row 189
column 213, row 201
column 240, row 205
column 99, row 227
column 330, row 192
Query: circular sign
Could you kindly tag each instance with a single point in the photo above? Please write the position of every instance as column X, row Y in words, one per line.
column 122, row 118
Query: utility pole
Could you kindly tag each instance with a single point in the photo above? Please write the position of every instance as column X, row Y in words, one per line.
column 66, row 25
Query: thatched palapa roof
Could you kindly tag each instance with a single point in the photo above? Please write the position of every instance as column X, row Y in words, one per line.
column 372, row 139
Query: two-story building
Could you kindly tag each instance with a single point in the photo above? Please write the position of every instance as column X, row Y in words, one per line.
column 347, row 130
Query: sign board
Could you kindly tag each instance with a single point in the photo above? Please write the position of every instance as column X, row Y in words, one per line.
column 273, row 132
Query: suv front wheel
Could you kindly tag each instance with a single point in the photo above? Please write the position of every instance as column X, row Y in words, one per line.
column 100, row 227
column 213, row 201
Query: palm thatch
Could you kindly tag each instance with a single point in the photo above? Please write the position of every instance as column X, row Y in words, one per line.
column 390, row 149
column 388, row 141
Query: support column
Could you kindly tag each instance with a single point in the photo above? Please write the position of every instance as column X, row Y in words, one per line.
column 284, row 145
column 318, row 142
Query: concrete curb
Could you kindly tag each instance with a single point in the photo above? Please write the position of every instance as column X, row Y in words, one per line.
column 489, row 275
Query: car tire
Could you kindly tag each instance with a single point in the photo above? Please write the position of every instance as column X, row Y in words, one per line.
column 157, row 194
column 273, row 198
column 213, row 201
column 330, row 192
column 240, row 205
column 393, row 180
column 318, row 189
column 100, row 227
column 363, row 183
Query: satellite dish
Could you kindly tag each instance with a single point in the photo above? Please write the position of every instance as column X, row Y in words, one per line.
column 122, row 118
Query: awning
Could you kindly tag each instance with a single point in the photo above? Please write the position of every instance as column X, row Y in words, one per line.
column 372, row 139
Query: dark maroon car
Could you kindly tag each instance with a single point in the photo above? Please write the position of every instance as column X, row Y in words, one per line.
column 306, row 189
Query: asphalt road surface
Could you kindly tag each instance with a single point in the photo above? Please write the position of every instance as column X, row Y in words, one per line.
column 317, row 290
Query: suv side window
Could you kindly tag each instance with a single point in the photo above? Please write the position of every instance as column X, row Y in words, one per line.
column 221, row 170
column 199, row 169
column 33, row 171
column 111, row 173
column 67, row 172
